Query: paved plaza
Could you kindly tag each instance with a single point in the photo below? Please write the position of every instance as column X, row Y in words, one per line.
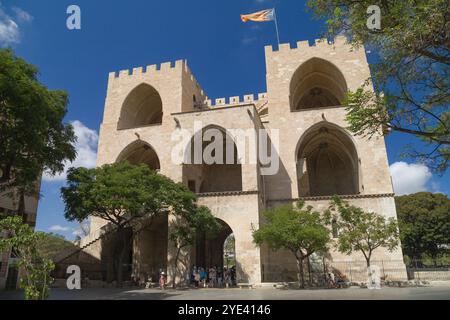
column 438, row 292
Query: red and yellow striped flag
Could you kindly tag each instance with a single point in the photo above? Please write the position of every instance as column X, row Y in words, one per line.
column 260, row 16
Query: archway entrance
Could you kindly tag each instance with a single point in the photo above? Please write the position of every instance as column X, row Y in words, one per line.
column 216, row 251
column 221, row 171
column 327, row 163
column 150, row 249
column 149, row 240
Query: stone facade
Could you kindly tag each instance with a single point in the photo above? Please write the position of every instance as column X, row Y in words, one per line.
column 318, row 156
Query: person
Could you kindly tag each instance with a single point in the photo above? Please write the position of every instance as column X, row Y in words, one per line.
column 192, row 276
column 227, row 276
column 212, row 277
column 220, row 277
column 331, row 281
column 233, row 275
column 196, row 278
column 162, row 281
column 203, row 277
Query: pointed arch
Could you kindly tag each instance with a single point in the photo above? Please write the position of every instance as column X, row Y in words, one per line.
column 142, row 107
column 222, row 176
column 210, row 251
column 317, row 83
column 140, row 152
column 327, row 162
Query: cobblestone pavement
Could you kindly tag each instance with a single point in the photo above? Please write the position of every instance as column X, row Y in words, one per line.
column 441, row 292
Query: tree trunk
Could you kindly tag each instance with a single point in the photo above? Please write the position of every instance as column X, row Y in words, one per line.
column 123, row 252
column 369, row 274
column 300, row 276
column 21, row 207
column 309, row 272
column 175, row 268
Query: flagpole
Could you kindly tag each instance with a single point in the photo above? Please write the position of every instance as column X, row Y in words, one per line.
column 276, row 26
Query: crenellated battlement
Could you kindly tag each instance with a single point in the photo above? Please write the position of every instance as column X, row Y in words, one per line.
column 151, row 69
column 319, row 44
column 157, row 69
column 237, row 100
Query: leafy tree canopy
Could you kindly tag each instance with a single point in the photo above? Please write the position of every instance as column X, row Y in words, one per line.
column 411, row 73
column 51, row 244
column 122, row 192
column 362, row 231
column 424, row 221
column 300, row 230
column 33, row 136
column 36, row 268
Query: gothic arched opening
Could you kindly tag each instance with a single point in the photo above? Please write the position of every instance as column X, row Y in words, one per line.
column 142, row 107
column 216, row 250
column 151, row 248
column 149, row 241
column 211, row 162
column 327, row 163
column 140, row 152
column 317, row 83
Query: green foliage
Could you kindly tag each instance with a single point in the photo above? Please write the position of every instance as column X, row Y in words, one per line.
column 122, row 192
column 424, row 222
column 51, row 244
column 24, row 241
column 33, row 136
column 191, row 224
column 362, row 231
column 300, row 230
column 411, row 70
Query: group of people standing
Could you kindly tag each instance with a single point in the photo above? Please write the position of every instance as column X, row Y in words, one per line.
column 212, row 277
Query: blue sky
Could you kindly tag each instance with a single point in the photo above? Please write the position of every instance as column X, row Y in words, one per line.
column 226, row 56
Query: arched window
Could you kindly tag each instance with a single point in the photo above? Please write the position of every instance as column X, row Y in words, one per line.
column 221, row 173
column 142, row 107
column 140, row 152
column 317, row 83
column 327, row 162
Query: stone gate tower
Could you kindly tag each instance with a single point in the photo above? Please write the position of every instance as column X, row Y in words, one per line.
column 318, row 156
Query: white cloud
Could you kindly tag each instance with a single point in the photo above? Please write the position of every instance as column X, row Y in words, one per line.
column 86, row 147
column 9, row 30
column 409, row 178
column 9, row 27
column 22, row 15
column 58, row 228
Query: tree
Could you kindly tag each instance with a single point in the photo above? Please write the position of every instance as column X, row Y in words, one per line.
column 188, row 227
column 33, row 137
column 362, row 231
column 411, row 71
column 299, row 230
column 51, row 244
column 24, row 242
column 121, row 193
column 424, row 222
